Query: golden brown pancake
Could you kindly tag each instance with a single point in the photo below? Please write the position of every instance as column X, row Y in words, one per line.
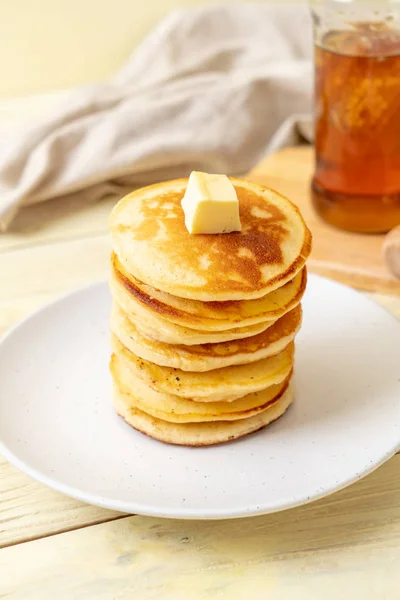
column 152, row 326
column 152, row 243
column 181, row 410
column 228, row 383
column 209, row 316
column 199, row 434
column 206, row 357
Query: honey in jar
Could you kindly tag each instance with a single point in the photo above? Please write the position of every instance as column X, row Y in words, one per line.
column 356, row 184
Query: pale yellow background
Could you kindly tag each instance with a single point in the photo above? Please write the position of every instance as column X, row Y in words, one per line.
column 54, row 44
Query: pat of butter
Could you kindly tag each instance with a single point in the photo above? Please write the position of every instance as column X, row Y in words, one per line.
column 210, row 204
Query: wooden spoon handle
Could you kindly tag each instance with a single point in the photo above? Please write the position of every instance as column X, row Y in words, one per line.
column 391, row 251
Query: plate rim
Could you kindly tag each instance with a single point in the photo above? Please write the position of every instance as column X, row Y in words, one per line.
column 131, row 507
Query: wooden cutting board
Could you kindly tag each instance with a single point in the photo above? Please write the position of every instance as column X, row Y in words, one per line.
column 350, row 258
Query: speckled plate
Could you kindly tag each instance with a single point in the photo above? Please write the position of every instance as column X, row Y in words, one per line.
column 57, row 423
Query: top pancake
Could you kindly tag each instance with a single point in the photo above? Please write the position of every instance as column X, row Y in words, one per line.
column 152, row 243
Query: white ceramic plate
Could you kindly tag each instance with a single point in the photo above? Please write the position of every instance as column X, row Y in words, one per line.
column 57, row 423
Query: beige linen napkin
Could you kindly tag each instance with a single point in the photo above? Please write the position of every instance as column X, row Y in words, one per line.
column 213, row 88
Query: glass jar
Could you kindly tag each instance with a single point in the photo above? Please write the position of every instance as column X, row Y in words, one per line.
column 356, row 183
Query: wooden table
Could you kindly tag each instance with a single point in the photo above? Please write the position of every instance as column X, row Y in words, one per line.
column 53, row 547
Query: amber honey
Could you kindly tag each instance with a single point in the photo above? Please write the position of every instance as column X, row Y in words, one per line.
column 356, row 185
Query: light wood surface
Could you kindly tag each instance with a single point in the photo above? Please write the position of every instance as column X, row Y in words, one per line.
column 353, row 259
column 29, row 510
column 346, row 543
column 345, row 547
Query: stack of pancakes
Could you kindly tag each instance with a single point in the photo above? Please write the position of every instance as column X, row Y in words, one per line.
column 203, row 325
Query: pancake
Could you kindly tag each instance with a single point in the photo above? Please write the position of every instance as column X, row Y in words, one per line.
column 211, row 316
column 206, row 357
column 152, row 243
column 151, row 325
column 228, row 383
column 199, row 434
column 180, row 410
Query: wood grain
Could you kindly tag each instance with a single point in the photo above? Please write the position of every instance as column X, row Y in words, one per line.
column 56, row 220
column 350, row 258
column 55, row 268
column 34, row 276
column 29, row 510
column 346, row 546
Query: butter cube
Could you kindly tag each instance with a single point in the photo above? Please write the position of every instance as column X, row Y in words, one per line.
column 210, row 204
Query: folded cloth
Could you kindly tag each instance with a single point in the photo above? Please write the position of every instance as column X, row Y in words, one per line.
column 213, row 88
